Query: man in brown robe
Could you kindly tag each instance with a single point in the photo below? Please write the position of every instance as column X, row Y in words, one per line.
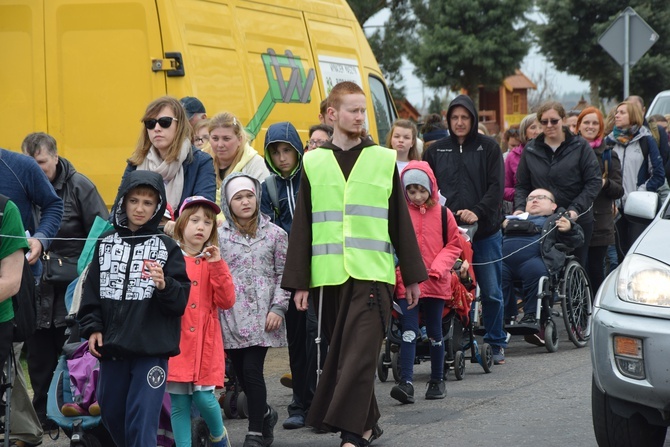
column 355, row 314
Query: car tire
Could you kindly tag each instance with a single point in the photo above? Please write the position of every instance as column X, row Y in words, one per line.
column 612, row 430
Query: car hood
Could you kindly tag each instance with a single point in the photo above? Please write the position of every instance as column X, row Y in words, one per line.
column 653, row 242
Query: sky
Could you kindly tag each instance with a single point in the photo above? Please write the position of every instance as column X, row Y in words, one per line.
column 533, row 65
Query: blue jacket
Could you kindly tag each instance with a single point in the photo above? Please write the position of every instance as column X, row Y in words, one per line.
column 199, row 177
column 26, row 185
column 287, row 188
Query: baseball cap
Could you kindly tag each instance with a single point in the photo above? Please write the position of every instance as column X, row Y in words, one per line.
column 194, row 200
column 192, row 105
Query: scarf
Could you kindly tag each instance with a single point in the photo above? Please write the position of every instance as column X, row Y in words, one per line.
column 595, row 143
column 624, row 136
column 172, row 173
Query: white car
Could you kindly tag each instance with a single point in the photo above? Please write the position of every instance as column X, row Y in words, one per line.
column 660, row 105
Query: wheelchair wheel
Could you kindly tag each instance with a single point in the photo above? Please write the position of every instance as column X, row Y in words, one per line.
column 550, row 336
column 242, row 407
column 199, row 433
column 382, row 369
column 230, row 405
column 459, row 365
column 486, row 355
column 577, row 304
column 395, row 367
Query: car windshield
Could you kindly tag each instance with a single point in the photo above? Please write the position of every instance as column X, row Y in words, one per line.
column 661, row 106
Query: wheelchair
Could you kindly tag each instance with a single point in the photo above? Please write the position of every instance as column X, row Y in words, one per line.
column 572, row 288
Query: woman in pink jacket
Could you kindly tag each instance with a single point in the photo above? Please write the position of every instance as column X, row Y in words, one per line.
column 199, row 368
column 528, row 130
column 439, row 256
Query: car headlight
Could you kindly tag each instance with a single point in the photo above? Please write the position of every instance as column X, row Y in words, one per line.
column 643, row 280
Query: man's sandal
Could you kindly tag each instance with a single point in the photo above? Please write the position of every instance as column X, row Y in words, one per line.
column 359, row 441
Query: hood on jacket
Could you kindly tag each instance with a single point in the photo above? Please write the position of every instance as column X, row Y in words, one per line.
column 283, row 132
column 132, row 180
column 65, row 171
column 225, row 207
column 464, row 101
column 425, row 167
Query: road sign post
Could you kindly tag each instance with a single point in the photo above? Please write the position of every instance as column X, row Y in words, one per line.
column 627, row 39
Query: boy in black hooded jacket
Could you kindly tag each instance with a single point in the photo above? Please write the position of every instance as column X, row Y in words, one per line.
column 135, row 293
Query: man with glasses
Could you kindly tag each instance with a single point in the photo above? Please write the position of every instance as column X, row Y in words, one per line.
column 529, row 251
column 319, row 134
column 469, row 171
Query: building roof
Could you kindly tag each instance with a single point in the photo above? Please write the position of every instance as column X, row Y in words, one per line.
column 518, row 81
column 407, row 110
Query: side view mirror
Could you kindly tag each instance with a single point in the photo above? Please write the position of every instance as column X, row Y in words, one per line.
column 641, row 204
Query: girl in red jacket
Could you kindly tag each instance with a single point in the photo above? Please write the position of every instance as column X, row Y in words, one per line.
column 199, row 368
column 439, row 257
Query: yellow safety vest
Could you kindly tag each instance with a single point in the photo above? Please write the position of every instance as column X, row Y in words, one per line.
column 350, row 235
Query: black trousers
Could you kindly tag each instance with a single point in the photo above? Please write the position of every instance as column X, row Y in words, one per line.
column 43, row 349
column 248, row 364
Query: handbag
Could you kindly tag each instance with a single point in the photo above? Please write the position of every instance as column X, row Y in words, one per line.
column 59, row 270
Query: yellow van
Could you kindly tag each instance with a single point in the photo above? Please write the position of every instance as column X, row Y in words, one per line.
column 84, row 70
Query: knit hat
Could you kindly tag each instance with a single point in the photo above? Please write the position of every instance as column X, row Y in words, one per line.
column 416, row 177
column 238, row 184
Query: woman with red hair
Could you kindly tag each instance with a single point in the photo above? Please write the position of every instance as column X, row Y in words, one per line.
column 591, row 127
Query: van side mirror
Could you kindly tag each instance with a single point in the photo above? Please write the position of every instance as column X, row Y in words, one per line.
column 642, row 204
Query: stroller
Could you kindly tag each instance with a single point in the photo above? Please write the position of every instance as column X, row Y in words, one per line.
column 457, row 332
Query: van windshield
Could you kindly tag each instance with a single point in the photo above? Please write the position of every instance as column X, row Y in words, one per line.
column 661, row 106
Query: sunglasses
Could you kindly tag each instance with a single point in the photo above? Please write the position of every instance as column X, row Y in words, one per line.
column 163, row 121
column 553, row 121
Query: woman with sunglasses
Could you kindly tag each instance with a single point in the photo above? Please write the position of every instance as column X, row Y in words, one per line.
column 641, row 164
column 164, row 147
column 563, row 163
column 591, row 127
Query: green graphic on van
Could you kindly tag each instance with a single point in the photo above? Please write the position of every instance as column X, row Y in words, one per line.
column 295, row 89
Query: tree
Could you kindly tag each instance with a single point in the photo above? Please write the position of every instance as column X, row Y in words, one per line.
column 569, row 39
column 465, row 44
column 388, row 41
column 546, row 90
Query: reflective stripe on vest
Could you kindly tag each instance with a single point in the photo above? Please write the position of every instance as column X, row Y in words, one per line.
column 349, row 238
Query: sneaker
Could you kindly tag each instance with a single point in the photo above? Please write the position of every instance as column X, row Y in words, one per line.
column 223, row 442
column 269, row 422
column 294, row 421
column 287, row 380
column 94, row 409
column 253, row 441
column 403, row 393
column 528, row 320
column 71, row 409
column 534, row 339
column 437, row 389
column 498, row 355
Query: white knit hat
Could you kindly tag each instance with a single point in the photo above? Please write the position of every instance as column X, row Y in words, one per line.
column 238, row 184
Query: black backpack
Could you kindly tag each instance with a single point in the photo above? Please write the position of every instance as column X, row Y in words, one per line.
column 24, row 302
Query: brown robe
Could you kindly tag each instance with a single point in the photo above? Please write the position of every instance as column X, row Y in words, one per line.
column 355, row 313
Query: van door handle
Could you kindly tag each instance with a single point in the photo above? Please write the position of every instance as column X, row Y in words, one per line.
column 173, row 64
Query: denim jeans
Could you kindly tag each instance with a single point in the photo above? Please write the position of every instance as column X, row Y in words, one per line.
column 489, row 279
column 431, row 310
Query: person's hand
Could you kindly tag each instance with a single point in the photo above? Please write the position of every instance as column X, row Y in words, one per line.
column 563, row 225
column 463, row 272
column 300, row 299
column 272, row 322
column 504, row 224
column 467, row 216
column 156, row 274
column 604, row 181
column 169, row 228
column 212, row 253
column 573, row 214
column 95, row 341
column 35, row 250
column 412, row 295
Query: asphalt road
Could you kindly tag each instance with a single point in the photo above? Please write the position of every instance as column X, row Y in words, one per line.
column 534, row 399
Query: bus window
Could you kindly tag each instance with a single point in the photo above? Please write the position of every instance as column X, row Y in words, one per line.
column 383, row 108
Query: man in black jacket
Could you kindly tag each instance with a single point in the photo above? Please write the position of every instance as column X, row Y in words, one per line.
column 82, row 203
column 470, row 174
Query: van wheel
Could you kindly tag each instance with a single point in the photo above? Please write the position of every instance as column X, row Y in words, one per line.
column 615, row 431
column 199, row 433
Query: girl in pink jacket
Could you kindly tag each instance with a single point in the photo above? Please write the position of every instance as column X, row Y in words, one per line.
column 439, row 256
column 199, row 368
